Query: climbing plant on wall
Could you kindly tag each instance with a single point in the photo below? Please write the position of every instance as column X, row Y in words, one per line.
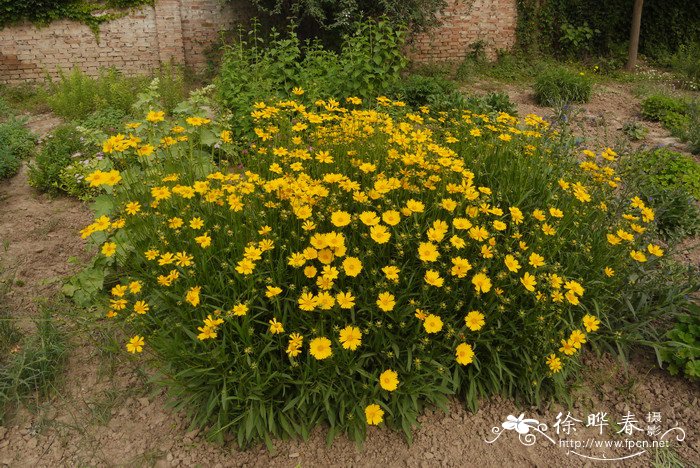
column 41, row 12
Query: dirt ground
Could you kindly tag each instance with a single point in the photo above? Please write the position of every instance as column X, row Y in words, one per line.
column 105, row 413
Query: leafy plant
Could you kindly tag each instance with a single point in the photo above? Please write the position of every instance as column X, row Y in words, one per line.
column 635, row 130
column 686, row 60
column 681, row 349
column 368, row 64
column 561, row 85
column 577, row 39
column 364, row 261
column 16, row 143
column 56, row 153
column 656, row 107
column 670, row 182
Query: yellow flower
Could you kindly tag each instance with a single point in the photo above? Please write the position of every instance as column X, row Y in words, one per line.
column 482, row 283
column 192, row 295
column 392, row 273
column 386, row 301
column 135, row 344
column 577, row 338
column 340, row 218
column 135, row 287
column 345, row 300
column 391, row 217
column 273, row 291
column 474, row 320
column 432, row 323
column 433, row 278
column 499, row 225
column 609, row 272
column 380, row 234
column 554, row 363
column 427, row 252
column 109, row 249
column 141, row 307
column 308, row 302
column 351, row 337
column 389, row 380
column 206, row 333
column 512, row 264
column 352, row 266
column 374, row 414
column 155, row 116
column 567, row 347
column 297, row 90
column 591, row 323
column 638, row 256
column 369, row 218
column 464, row 354
column 132, row 208
column 275, row 326
column 119, row 290
column 204, row 240
column 536, row 260
column 196, row 223
column 529, row 281
column 320, row 348
column 239, row 310
column 655, row 250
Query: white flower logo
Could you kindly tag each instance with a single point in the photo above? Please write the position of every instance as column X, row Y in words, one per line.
column 520, row 424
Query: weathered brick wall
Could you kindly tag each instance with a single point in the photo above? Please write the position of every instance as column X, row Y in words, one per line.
column 463, row 23
column 174, row 30
column 182, row 30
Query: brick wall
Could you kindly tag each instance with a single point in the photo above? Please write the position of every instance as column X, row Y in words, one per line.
column 174, row 30
column 182, row 30
column 463, row 23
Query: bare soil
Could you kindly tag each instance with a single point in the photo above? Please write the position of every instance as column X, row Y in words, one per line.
column 105, row 413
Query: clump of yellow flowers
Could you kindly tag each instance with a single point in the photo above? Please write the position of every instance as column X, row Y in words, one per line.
column 355, row 261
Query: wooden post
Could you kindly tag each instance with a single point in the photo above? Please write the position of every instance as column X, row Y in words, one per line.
column 634, row 35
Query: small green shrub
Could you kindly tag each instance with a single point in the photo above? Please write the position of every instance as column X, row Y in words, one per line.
column 561, row 85
column 75, row 96
column 108, row 120
column 686, row 60
column 658, row 106
column 681, row 352
column 56, row 153
column 420, row 90
column 16, row 143
column 670, row 183
column 498, row 101
column 71, row 179
column 635, row 130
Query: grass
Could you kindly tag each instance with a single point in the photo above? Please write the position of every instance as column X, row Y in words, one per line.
column 33, row 362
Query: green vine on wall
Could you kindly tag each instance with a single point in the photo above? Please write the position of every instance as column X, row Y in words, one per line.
column 93, row 13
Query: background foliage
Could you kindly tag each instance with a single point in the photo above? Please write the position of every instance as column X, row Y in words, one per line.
column 546, row 25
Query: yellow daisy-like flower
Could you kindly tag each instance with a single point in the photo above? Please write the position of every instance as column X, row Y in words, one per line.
column 554, row 363
column 374, row 415
column 386, row 301
column 464, row 354
column 433, row 278
column 475, row 320
column 350, row 337
column 389, row 380
column 591, row 323
column 109, row 249
column 135, row 344
column 320, row 348
column 273, row 291
column 352, row 266
column 432, row 323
